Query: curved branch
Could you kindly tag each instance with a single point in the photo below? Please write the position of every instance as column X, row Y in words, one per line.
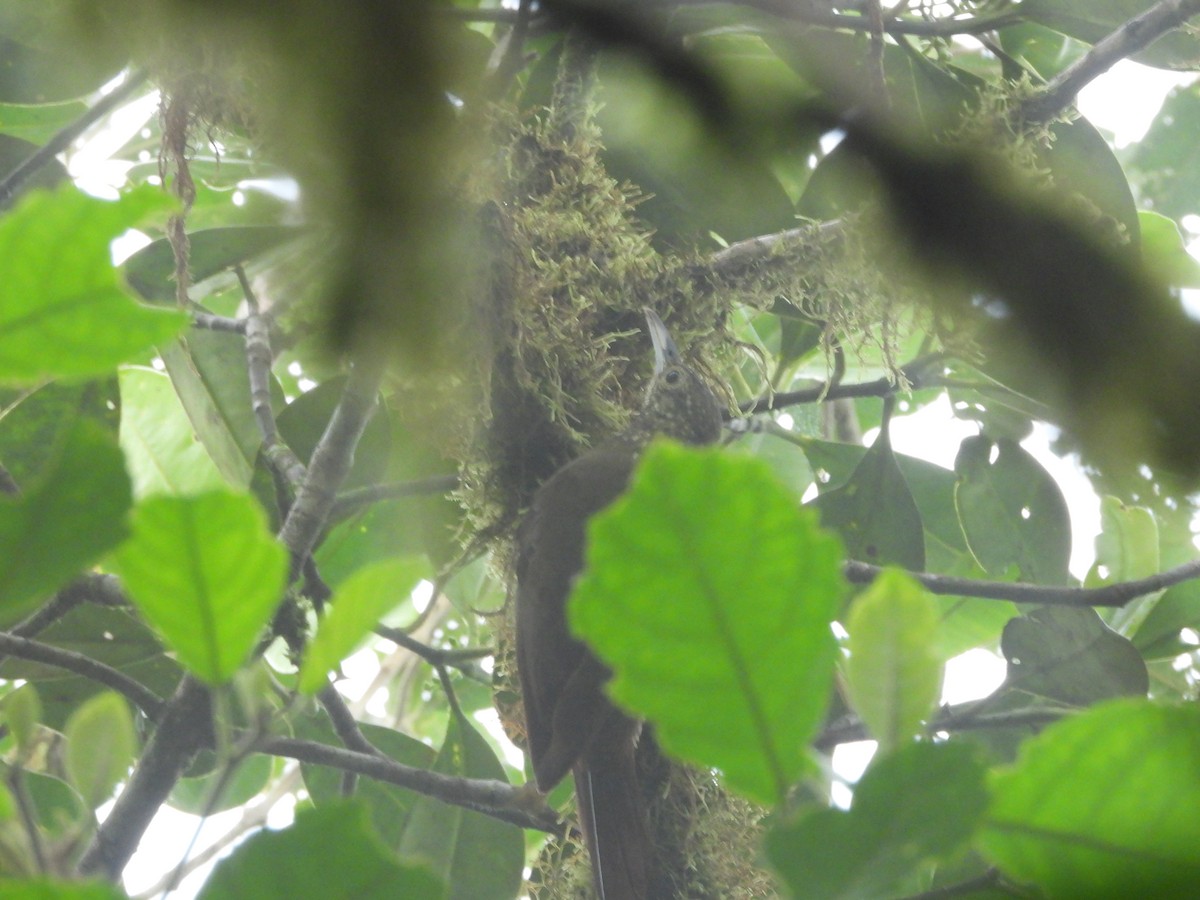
column 520, row 806
column 137, row 693
column 1117, row 594
column 1138, row 33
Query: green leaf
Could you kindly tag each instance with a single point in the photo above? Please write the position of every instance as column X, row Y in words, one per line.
column 356, row 607
column 158, row 440
column 664, row 602
column 874, row 512
column 1103, row 805
column 389, row 804
column 916, row 805
column 22, row 714
column 38, row 122
column 208, row 370
column 893, row 674
column 196, row 795
column 1095, row 19
column 1012, row 511
column 43, row 541
column 330, row 853
column 478, row 857
column 45, row 889
column 1069, row 655
column 1178, row 608
column 212, row 251
column 1166, row 162
column 1126, row 549
column 206, row 573
column 63, row 311
column 34, row 420
column 103, row 633
column 1164, row 251
column 101, row 746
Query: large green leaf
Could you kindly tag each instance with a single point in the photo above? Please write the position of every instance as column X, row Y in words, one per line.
column 706, row 580
column 478, row 857
column 356, row 607
column 208, row 370
column 206, row 573
column 1069, row 655
column 1103, row 805
column 329, row 853
column 874, row 512
column 37, row 419
column 917, row 805
column 893, row 674
column 158, row 439
column 63, row 310
column 212, row 251
column 44, row 543
column 1012, row 511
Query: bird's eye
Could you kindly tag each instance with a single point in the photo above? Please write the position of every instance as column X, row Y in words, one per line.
column 672, row 376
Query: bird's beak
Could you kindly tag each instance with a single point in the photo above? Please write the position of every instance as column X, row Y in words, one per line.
column 665, row 351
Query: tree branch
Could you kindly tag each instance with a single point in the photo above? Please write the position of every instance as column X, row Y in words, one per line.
column 185, row 728
column 331, row 461
column 1116, row 594
column 949, row 719
column 258, row 366
column 348, row 501
column 520, row 806
column 137, row 693
column 1138, row 33
column 915, row 373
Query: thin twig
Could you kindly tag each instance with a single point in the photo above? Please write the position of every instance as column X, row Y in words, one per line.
column 436, row 657
column 914, row 373
column 62, row 139
column 344, row 723
column 137, row 693
column 1138, row 33
column 950, row 719
column 1116, row 594
column 348, row 501
column 517, row 805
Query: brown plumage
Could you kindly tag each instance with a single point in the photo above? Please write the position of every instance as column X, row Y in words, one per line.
column 571, row 724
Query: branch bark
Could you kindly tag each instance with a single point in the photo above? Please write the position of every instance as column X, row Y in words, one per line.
column 1117, row 594
column 1137, row 34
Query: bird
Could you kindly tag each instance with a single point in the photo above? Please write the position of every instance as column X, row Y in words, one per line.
column 571, row 725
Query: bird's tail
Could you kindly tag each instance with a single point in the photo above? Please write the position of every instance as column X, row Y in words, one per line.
column 612, row 817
